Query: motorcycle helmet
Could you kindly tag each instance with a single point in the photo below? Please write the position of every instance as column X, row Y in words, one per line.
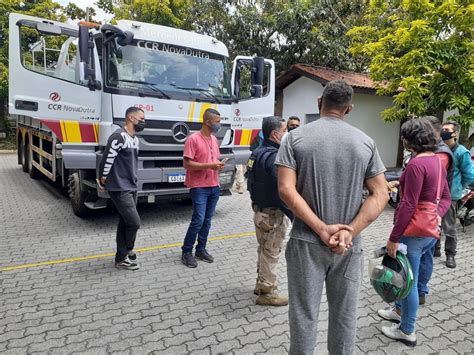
column 393, row 279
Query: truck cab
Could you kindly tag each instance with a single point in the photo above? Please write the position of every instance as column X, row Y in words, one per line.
column 70, row 85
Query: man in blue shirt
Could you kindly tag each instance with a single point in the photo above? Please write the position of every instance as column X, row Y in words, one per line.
column 463, row 175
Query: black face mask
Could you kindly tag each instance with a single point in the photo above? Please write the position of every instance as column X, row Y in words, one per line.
column 445, row 135
column 140, row 126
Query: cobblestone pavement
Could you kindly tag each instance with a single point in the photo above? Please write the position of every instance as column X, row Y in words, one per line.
column 90, row 307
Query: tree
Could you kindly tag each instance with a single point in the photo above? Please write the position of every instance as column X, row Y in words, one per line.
column 74, row 12
column 421, row 52
column 306, row 31
column 164, row 12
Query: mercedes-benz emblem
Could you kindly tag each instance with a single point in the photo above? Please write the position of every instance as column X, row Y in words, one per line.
column 180, row 132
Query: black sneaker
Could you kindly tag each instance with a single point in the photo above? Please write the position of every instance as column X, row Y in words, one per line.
column 188, row 260
column 204, row 256
column 132, row 256
column 421, row 300
column 127, row 264
column 450, row 262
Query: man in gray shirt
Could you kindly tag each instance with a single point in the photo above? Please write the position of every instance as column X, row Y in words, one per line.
column 322, row 170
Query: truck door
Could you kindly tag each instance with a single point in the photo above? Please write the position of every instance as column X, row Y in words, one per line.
column 47, row 82
column 253, row 85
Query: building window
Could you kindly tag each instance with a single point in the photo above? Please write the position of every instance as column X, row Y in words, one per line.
column 310, row 117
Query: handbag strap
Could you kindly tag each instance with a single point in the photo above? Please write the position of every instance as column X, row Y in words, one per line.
column 438, row 188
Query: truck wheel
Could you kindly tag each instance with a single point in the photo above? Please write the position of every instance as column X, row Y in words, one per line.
column 23, row 155
column 32, row 171
column 77, row 196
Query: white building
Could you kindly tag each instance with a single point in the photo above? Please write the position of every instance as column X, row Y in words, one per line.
column 298, row 90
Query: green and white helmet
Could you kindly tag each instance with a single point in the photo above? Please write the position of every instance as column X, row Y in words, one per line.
column 393, row 279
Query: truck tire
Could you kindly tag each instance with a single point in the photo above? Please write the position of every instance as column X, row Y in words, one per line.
column 23, row 155
column 77, row 196
column 32, row 171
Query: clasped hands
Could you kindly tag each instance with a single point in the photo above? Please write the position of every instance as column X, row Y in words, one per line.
column 338, row 237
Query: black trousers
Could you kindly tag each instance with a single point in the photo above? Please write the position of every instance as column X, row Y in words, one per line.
column 129, row 221
column 449, row 230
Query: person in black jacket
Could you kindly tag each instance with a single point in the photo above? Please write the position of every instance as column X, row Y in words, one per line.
column 271, row 217
column 118, row 175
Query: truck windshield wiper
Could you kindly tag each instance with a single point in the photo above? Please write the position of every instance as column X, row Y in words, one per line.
column 210, row 94
column 151, row 86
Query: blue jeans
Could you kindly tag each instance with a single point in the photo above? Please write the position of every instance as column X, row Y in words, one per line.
column 420, row 251
column 426, row 269
column 204, row 204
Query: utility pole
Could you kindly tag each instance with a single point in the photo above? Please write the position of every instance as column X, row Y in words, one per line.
column 88, row 14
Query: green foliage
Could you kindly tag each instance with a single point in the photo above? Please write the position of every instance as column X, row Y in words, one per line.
column 420, row 51
column 74, row 12
column 164, row 12
column 309, row 31
column 305, row 31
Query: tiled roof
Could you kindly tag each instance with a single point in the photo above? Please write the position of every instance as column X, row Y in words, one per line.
column 324, row 75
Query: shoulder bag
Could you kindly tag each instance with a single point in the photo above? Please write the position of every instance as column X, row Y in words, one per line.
column 426, row 222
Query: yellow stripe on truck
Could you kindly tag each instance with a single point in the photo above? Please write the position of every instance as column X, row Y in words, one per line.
column 246, row 135
column 73, row 131
column 192, row 106
column 96, row 131
column 204, row 107
column 63, row 130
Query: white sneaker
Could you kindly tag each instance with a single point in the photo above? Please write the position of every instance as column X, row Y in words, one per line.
column 390, row 314
column 395, row 333
column 132, row 256
column 127, row 264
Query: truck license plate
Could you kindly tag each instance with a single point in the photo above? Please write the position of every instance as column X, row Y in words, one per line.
column 176, row 178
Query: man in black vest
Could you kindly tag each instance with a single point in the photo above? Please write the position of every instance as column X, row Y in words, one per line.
column 270, row 216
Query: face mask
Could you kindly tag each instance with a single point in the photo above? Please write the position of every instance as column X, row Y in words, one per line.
column 446, row 135
column 215, row 127
column 291, row 128
column 140, row 126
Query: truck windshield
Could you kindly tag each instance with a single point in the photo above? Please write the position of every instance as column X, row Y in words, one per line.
column 171, row 70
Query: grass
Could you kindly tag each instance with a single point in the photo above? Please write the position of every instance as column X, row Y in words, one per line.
column 8, row 143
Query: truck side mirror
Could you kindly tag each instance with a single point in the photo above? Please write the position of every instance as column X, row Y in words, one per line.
column 84, row 44
column 124, row 38
column 86, row 55
column 258, row 64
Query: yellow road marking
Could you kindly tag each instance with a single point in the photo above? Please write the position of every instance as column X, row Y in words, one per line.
column 106, row 255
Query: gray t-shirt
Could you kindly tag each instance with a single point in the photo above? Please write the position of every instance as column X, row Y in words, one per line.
column 332, row 159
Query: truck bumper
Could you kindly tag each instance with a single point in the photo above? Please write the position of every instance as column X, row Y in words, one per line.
column 157, row 180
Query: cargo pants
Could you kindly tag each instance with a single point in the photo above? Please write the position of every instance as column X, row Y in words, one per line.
column 270, row 227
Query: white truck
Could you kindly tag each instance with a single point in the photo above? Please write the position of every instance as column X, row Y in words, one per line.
column 70, row 85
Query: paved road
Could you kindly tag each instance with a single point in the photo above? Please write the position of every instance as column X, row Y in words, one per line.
column 87, row 306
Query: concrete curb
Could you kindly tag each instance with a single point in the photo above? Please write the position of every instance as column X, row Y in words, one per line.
column 7, row 151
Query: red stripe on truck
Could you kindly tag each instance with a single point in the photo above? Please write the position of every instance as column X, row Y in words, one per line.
column 54, row 126
column 87, row 133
